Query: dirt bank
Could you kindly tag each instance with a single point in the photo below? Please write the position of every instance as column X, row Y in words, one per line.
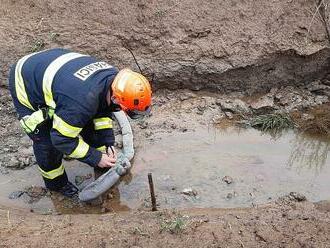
column 223, row 45
column 284, row 224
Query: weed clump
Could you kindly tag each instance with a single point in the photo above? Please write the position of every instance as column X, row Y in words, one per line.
column 174, row 226
column 37, row 45
column 271, row 122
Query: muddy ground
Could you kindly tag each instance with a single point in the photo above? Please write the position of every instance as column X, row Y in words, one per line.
column 248, row 57
column 287, row 223
column 284, row 223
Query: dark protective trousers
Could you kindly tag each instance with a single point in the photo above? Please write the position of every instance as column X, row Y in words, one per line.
column 47, row 156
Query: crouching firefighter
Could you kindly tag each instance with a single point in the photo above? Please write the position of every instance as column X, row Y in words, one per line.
column 65, row 101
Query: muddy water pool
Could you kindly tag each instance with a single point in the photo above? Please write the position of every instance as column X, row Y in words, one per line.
column 261, row 168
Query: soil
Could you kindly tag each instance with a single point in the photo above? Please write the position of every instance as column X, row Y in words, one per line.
column 286, row 223
column 225, row 46
column 240, row 58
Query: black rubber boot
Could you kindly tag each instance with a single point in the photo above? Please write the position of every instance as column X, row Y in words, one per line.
column 68, row 190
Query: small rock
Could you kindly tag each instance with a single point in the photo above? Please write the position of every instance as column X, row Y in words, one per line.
column 79, row 180
column 228, row 179
column 229, row 115
column 143, row 124
column 201, row 109
column 231, row 195
column 297, row 196
column 321, row 99
column 109, row 196
column 292, row 197
column 307, row 117
column 148, row 134
column 15, row 194
column 183, row 130
column 317, row 87
column 24, row 161
column 186, row 95
column 189, row 191
column 26, row 151
column 304, row 217
column 173, row 126
column 234, row 106
column 264, row 104
column 105, row 210
column 13, row 163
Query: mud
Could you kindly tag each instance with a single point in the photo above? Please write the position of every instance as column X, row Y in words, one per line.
column 224, row 46
column 241, row 59
column 181, row 146
column 283, row 224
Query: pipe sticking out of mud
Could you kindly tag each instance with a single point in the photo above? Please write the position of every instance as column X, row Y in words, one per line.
column 152, row 192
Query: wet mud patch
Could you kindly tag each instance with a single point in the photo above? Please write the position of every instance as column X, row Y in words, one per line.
column 199, row 169
column 195, row 164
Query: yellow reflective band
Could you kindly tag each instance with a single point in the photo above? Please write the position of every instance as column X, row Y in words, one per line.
column 19, row 83
column 102, row 123
column 81, row 150
column 30, row 122
column 50, row 73
column 101, row 149
column 53, row 173
column 51, row 112
column 64, row 128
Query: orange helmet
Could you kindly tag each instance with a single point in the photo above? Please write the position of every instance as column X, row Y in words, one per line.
column 132, row 91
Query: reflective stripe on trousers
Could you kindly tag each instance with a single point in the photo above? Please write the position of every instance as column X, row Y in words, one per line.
column 53, row 173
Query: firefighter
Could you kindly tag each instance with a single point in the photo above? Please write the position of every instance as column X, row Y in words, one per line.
column 65, row 101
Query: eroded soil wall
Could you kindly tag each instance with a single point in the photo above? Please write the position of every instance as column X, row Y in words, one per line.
column 226, row 45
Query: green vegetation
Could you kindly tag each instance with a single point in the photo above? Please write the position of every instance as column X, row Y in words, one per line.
column 138, row 231
column 37, row 45
column 271, row 122
column 173, row 226
column 53, row 36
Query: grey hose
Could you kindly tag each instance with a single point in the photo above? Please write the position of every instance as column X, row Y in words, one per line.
column 108, row 179
column 127, row 134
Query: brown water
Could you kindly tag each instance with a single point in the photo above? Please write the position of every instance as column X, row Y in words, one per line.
column 262, row 169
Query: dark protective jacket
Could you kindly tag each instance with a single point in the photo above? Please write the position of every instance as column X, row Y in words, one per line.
column 75, row 86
